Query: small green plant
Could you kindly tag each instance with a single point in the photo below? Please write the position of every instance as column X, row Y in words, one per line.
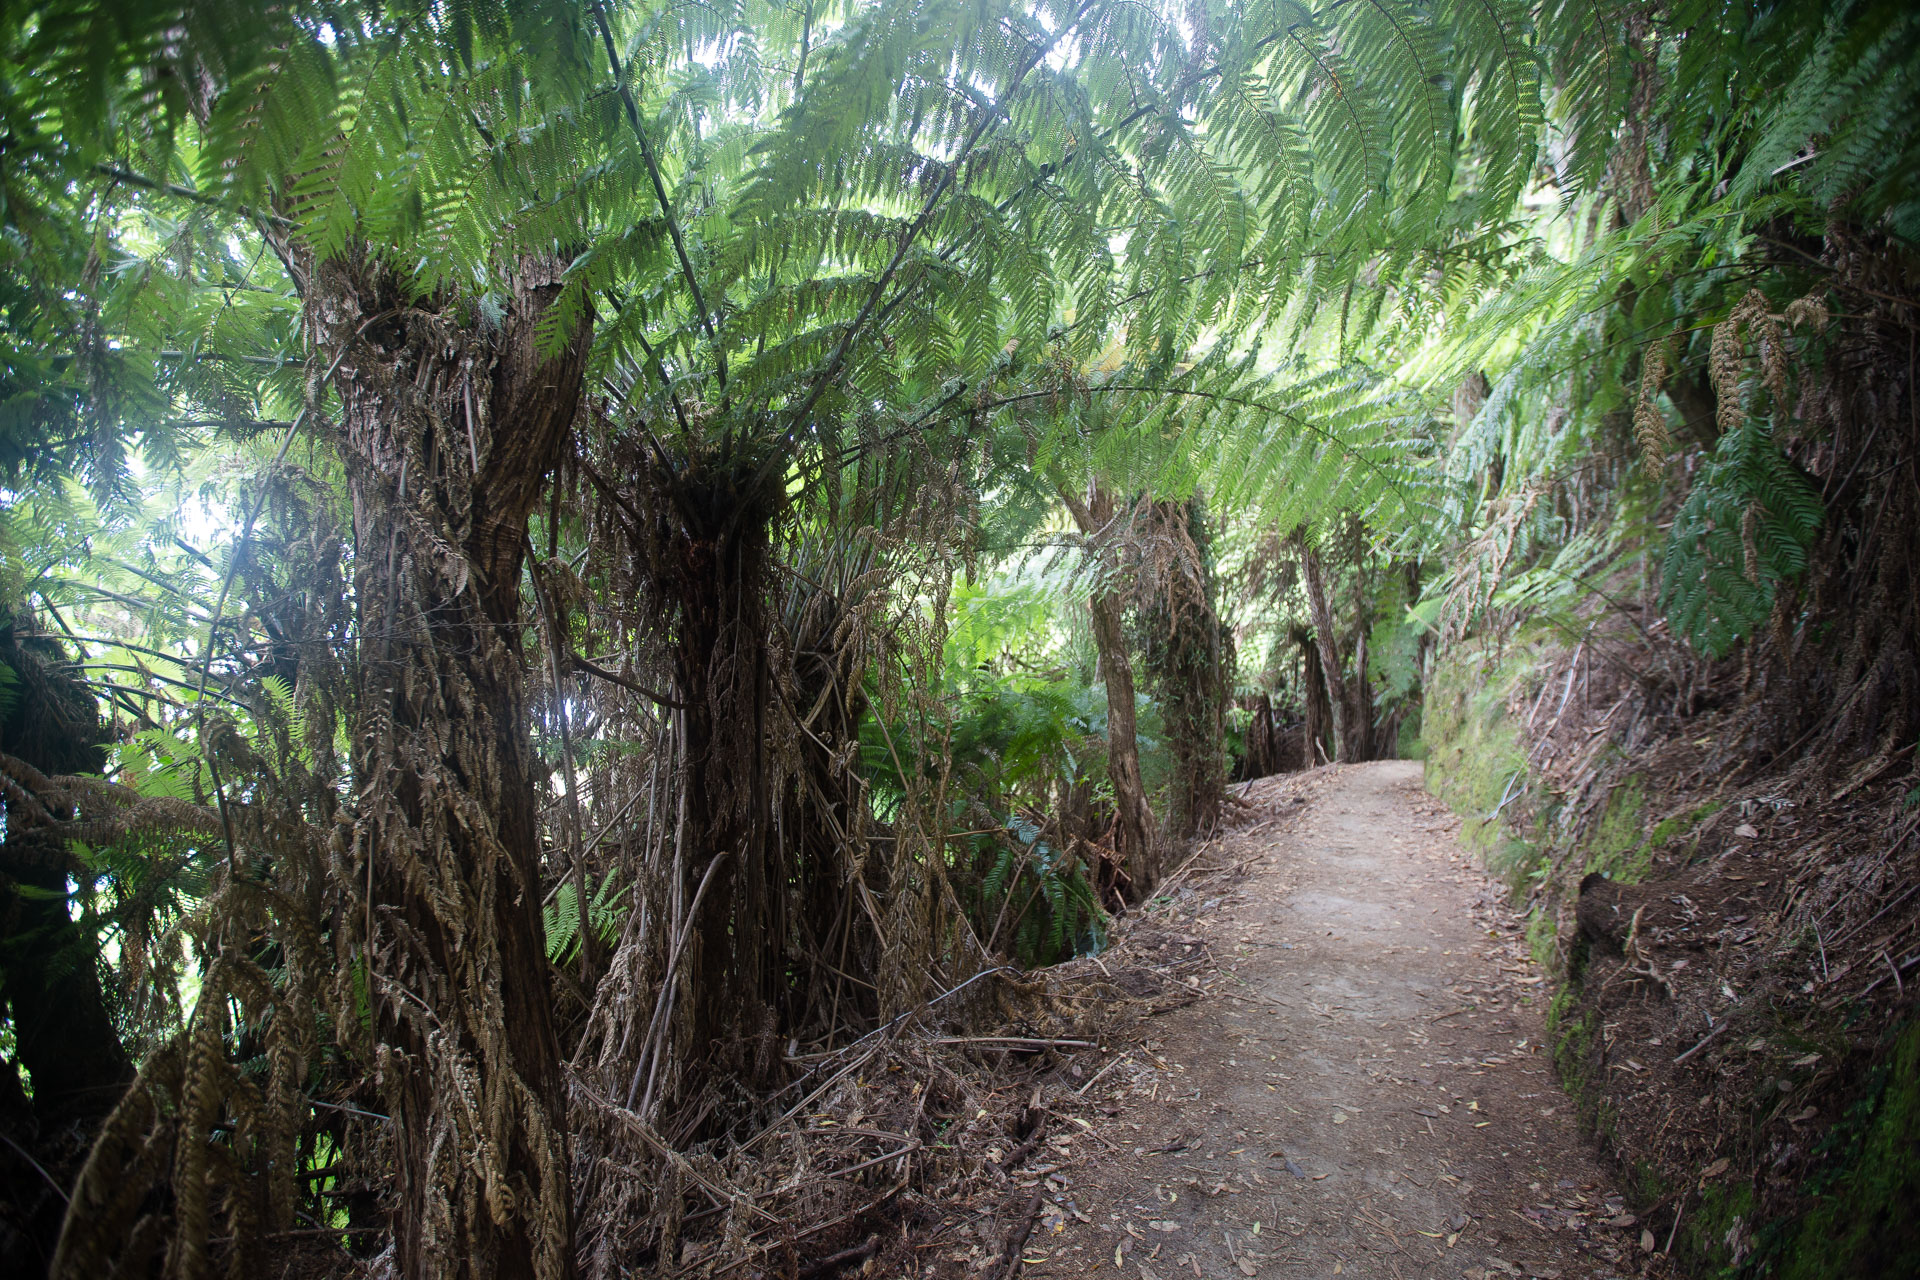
column 1743, row 532
column 1050, row 909
column 605, row 911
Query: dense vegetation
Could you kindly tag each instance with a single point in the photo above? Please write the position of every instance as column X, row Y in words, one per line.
column 564, row 561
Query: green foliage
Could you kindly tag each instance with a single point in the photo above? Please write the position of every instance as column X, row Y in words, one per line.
column 1743, row 533
column 1475, row 761
column 607, row 912
column 1052, row 909
column 1618, row 847
column 1752, row 125
column 1842, row 122
column 890, row 276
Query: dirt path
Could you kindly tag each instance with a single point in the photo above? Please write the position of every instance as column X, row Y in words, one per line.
column 1362, row 1090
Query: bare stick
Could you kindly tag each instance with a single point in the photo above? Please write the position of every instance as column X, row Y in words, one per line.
column 664, row 1000
column 1703, row 1043
column 1018, row 1240
column 1081, row 1092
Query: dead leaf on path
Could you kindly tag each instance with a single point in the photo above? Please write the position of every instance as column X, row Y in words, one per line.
column 1246, row 1268
column 1646, row 1241
column 1715, row 1169
column 1746, row 831
column 1146, row 1273
column 1163, row 1224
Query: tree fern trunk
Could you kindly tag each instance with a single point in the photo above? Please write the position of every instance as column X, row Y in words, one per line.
column 699, row 526
column 1187, row 653
column 1134, row 837
column 449, row 430
column 1316, row 739
column 1133, row 820
column 1350, row 727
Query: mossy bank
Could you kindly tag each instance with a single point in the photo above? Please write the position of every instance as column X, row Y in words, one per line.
column 1731, row 1053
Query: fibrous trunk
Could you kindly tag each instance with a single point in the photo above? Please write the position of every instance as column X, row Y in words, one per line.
column 1352, row 698
column 1134, row 836
column 700, row 528
column 450, row 427
column 1316, row 740
column 1133, row 820
column 1187, row 651
column 49, row 982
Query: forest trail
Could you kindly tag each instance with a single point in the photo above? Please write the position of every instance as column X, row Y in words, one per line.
column 1362, row 1090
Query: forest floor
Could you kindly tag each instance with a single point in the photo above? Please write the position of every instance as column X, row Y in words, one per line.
column 1361, row 1087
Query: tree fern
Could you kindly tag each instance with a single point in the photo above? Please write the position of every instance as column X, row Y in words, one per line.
column 607, row 910
column 1743, row 534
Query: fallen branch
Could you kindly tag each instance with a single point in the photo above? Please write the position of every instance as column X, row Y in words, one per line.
column 1081, row 1092
column 1018, row 1240
column 1703, row 1042
column 1031, row 1042
column 833, row 1262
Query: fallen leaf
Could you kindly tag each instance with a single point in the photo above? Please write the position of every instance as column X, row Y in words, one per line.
column 1339, row 1117
column 1746, row 831
column 1646, row 1241
column 1715, row 1169
column 1246, row 1268
column 1162, row 1224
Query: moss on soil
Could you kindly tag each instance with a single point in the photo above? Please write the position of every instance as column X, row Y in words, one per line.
column 1862, row 1222
column 1542, row 935
column 1862, row 1219
column 1475, row 760
column 1616, row 848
